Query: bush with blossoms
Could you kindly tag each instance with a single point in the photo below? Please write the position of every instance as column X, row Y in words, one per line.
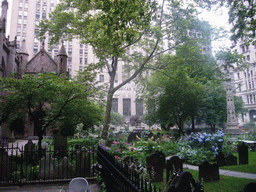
column 208, row 141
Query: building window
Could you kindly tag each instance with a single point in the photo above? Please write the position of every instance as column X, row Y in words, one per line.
column 139, row 107
column 81, row 61
column 101, row 78
column 127, row 107
column 81, row 52
column 69, row 59
column 85, row 61
column 43, row 15
column 80, row 68
column 115, row 105
column 248, row 57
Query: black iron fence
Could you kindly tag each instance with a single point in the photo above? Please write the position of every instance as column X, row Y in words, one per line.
column 20, row 165
column 119, row 177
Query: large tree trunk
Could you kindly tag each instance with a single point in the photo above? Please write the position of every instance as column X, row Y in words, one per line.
column 107, row 115
column 111, row 91
column 193, row 123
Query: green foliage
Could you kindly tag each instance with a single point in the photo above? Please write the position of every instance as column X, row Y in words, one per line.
column 48, row 100
column 103, row 24
column 117, row 119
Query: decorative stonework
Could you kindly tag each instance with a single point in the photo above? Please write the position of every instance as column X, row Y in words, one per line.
column 232, row 123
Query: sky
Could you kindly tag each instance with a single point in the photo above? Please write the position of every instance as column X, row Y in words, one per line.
column 217, row 18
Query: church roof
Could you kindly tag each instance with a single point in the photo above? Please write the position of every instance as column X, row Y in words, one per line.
column 62, row 51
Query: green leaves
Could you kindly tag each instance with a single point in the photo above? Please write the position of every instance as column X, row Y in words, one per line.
column 49, row 99
column 105, row 24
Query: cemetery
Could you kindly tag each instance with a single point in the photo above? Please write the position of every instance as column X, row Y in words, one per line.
column 149, row 160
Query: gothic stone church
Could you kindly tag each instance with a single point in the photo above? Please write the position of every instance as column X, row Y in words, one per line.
column 13, row 60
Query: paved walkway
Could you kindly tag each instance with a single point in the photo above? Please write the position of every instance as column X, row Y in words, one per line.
column 45, row 188
column 227, row 172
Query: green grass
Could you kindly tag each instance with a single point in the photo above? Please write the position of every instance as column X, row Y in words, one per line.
column 249, row 168
column 225, row 184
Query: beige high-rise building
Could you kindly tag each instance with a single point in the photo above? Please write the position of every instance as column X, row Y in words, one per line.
column 26, row 15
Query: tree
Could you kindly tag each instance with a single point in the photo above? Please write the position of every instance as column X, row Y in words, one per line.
column 114, row 27
column 50, row 101
column 179, row 88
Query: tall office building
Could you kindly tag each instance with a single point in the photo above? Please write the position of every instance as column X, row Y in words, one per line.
column 245, row 81
column 26, row 15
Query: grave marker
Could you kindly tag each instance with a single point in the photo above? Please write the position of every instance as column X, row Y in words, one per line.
column 242, row 149
column 156, row 161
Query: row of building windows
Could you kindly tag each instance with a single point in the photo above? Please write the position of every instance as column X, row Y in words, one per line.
column 251, row 99
column 127, row 106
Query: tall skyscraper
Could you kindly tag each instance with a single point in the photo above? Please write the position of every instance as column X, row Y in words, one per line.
column 26, row 15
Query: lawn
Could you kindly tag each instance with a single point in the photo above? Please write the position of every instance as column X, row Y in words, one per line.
column 226, row 183
column 249, row 168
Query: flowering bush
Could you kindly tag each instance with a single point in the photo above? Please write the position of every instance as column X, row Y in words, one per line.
column 210, row 142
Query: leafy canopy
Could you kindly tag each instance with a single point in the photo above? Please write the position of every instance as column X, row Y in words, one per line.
column 107, row 25
column 50, row 101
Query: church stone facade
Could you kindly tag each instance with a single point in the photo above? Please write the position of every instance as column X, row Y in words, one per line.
column 13, row 60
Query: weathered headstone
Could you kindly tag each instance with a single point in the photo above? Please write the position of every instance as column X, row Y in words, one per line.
column 44, row 147
column 64, row 169
column 83, row 164
column 242, row 149
column 230, row 160
column 29, row 152
column 60, row 144
column 215, row 172
column 185, row 183
column 252, row 147
column 132, row 137
column 208, row 172
column 4, row 165
column 156, row 161
column 174, row 167
column 220, row 159
column 250, row 187
column 47, row 167
column 205, row 171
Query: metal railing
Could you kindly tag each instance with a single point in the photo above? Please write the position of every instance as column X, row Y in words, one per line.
column 19, row 166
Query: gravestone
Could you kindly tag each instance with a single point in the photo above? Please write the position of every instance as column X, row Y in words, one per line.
column 47, row 167
column 132, row 137
column 220, row 159
column 185, row 183
column 230, row 160
column 156, row 161
column 4, row 165
column 215, row 172
column 83, row 164
column 252, row 147
column 44, row 147
column 29, row 152
column 208, row 172
column 205, row 171
column 250, row 187
column 242, row 149
column 174, row 167
column 64, row 169
column 60, row 144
